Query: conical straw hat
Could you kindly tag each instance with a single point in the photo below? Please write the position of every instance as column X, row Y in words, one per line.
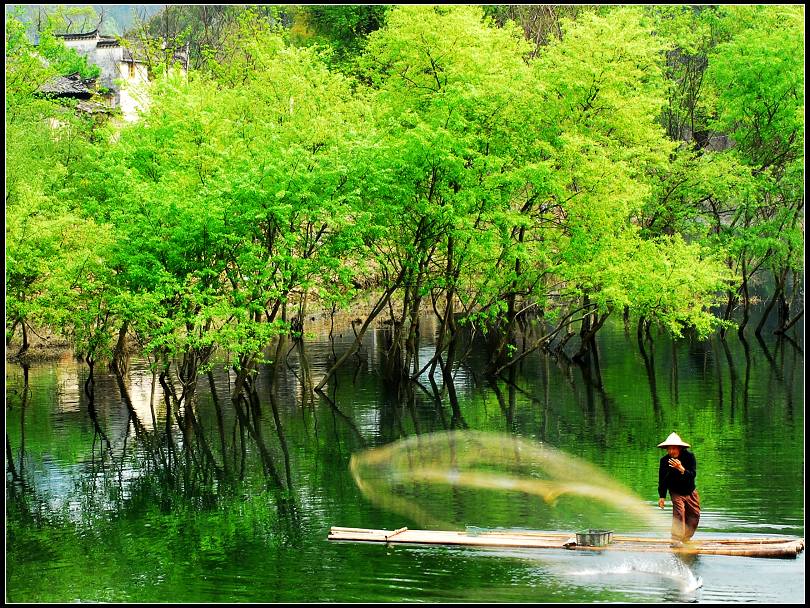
column 673, row 439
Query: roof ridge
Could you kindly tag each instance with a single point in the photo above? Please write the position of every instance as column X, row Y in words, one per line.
column 78, row 34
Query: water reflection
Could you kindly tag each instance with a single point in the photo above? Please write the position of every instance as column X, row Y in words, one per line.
column 97, row 450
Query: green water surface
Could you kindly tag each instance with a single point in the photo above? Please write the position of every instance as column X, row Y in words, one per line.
column 111, row 499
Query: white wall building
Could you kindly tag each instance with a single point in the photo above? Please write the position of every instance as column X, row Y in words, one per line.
column 121, row 73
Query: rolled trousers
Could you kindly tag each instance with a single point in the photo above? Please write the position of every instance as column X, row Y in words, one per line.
column 685, row 515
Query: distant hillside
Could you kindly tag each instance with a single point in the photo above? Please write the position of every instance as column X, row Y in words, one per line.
column 125, row 15
column 117, row 18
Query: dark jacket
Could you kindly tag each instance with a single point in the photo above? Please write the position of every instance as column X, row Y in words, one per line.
column 671, row 479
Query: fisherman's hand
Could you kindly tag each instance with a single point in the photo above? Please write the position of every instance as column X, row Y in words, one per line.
column 676, row 464
column 660, row 503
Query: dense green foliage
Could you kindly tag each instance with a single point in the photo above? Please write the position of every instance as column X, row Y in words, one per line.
column 343, row 27
column 495, row 172
column 54, row 250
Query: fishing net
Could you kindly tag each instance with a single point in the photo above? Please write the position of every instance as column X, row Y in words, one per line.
column 469, row 479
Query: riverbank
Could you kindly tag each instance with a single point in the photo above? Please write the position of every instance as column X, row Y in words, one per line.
column 47, row 345
column 43, row 345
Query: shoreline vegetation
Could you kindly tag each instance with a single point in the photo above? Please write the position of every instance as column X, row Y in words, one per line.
column 490, row 165
column 46, row 345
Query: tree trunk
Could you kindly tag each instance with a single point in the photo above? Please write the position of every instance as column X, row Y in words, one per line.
column 730, row 304
column 779, row 290
column 120, row 361
column 372, row 315
column 25, row 344
column 745, row 298
column 589, row 336
column 789, row 324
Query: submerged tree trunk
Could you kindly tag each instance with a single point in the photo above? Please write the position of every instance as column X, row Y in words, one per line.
column 778, row 294
column 220, row 425
column 588, row 331
column 447, row 364
column 247, row 395
column 785, row 321
column 120, row 361
column 789, row 324
column 381, row 303
column 745, row 297
column 730, row 305
column 506, row 336
column 10, row 468
column 25, row 343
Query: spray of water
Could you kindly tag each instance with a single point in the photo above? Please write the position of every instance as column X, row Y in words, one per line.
column 406, row 475
column 672, row 569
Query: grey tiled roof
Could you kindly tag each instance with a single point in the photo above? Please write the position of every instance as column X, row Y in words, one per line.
column 82, row 36
column 72, row 85
column 108, row 41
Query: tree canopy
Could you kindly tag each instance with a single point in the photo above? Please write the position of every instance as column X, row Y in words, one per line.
column 497, row 166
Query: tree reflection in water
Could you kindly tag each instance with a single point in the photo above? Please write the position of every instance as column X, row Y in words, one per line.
column 275, row 445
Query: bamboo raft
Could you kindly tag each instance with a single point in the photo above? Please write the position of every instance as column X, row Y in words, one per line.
column 785, row 547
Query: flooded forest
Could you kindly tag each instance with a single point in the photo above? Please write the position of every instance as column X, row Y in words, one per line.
column 246, row 246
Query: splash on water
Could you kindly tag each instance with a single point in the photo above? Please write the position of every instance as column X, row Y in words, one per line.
column 672, row 569
column 420, row 476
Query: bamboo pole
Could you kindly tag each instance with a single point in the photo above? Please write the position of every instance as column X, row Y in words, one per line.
column 701, row 541
column 750, row 547
column 395, row 532
column 357, row 530
column 634, row 539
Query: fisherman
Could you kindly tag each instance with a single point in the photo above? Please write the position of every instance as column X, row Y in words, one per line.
column 676, row 473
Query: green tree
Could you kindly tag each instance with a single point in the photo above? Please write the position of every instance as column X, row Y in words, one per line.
column 230, row 201
column 344, row 28
column 757, row 81
column 47, row 239
column 450, row 147
column 603, row 93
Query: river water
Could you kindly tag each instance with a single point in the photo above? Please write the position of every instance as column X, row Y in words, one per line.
column 109, row 499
